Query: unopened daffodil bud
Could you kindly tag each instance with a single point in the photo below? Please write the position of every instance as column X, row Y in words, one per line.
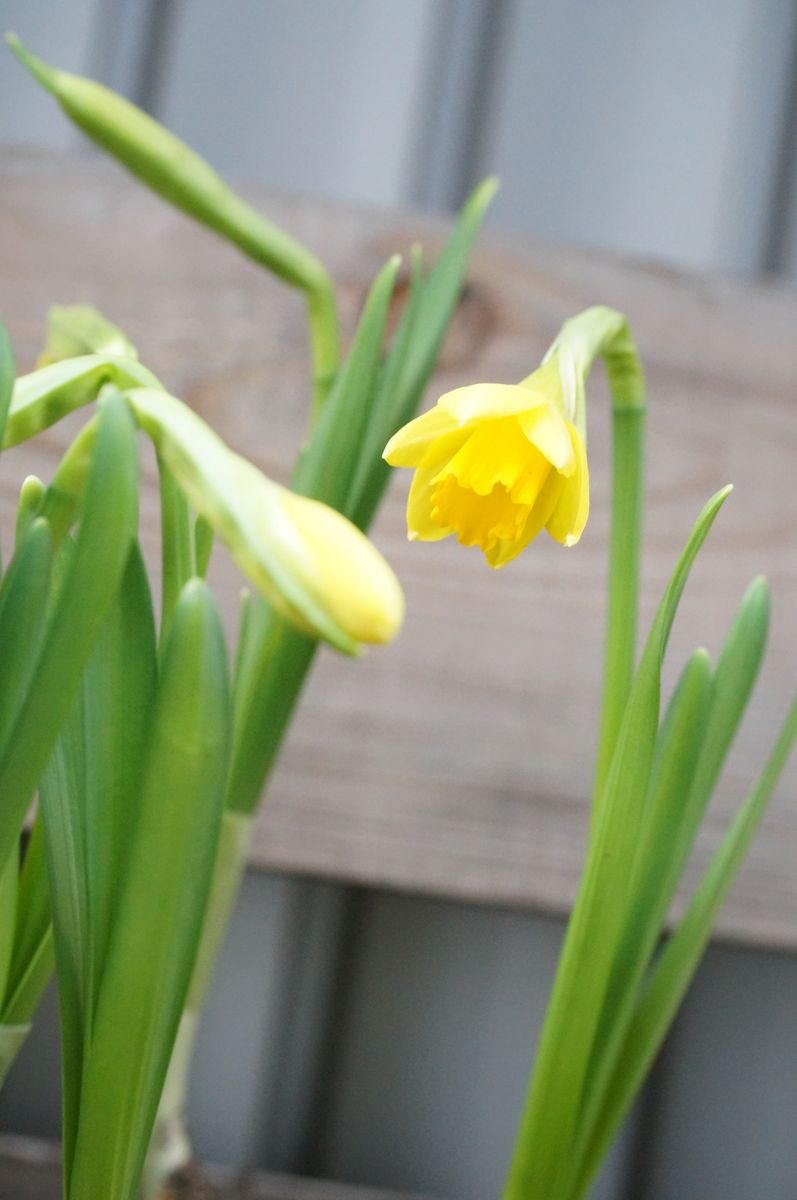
column 495, row 464
column 311, row 563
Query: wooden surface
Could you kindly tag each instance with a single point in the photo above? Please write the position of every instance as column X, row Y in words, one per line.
column 31, row 1170
column 458, row 761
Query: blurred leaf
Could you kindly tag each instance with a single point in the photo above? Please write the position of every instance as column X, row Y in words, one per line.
column 278, row 658
column 106, row 532
column 411, row 362
column 549, row 1120
column 77, row 329
column 7, row 372
column 327, row 464
column 158, row 913
column 678, row 961
column 32, row 958
column 89, row 798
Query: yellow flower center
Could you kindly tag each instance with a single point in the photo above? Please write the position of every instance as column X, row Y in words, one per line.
column 487, row 491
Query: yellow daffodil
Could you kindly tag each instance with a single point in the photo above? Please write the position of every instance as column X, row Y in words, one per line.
column 495, row 464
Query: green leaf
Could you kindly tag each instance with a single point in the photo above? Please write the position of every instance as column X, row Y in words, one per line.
column 7, row 372
column 32, row 958
column 550, row 1116
column 677, row 751
column 327, row 464
column 9, row 883
column 413, row 356
column 12, row 1038
column 89, row 798
column 178, row 558
column 678, row 961
column 106, row 532
column 23, row 608
column 160, row 907
column 278, row 658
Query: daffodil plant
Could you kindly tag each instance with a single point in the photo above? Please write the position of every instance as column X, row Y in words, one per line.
column 147, row 801
column 495, row 464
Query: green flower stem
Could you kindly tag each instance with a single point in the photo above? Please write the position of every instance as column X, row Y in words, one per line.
column 170, row 1147
column 603, row 333
column 178, row 562
column 628, row 433
column 172, row 169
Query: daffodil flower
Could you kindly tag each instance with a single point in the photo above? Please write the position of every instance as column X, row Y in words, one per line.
column 495, row 464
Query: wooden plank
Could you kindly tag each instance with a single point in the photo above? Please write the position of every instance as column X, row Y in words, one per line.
column 458, row 761
column 31, row 1169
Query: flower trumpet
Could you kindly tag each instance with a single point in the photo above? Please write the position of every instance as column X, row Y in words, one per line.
column 496, row 464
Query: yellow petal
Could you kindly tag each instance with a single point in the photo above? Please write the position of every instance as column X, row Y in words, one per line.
column 420, row 526
column 480, row 401
column 504, row 551
column 477, row 520
column 547, row 430
column 546, row 380
column 344, row 572
column 408, row 446
column 497, row 452
column 569, row 517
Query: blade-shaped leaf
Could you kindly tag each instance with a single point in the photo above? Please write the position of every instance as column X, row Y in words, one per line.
column 549, row 1118
column 89, row 798
column 327, row 464
column 678, row 962
column 32, row 958
column 106, row 532
column 691, row 748
column 6, row 377
column 431, row 318
column 158, row 915
column 279, row 661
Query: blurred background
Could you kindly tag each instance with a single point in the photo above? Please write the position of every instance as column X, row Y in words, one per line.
column 659, row 131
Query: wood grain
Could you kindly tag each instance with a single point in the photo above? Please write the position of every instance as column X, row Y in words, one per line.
column 31, row 1170
column 458, row 761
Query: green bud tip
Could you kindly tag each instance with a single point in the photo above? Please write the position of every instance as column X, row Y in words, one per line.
column 44, row 75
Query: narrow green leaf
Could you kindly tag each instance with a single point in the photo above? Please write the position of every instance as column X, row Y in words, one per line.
column 158, row 916
column 178, row 559
column 429, row 322
column 327, row 464
column 203, row 545
column 107, row 528
column 678, row 961
column 279, row 661
column 388, row 391
column 32, row 958
column 89, row 798
column 9, row 885
column 7, row 371
column 23, row 608
column 677, row 750
column 12, row 1038
column 549, row 1118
